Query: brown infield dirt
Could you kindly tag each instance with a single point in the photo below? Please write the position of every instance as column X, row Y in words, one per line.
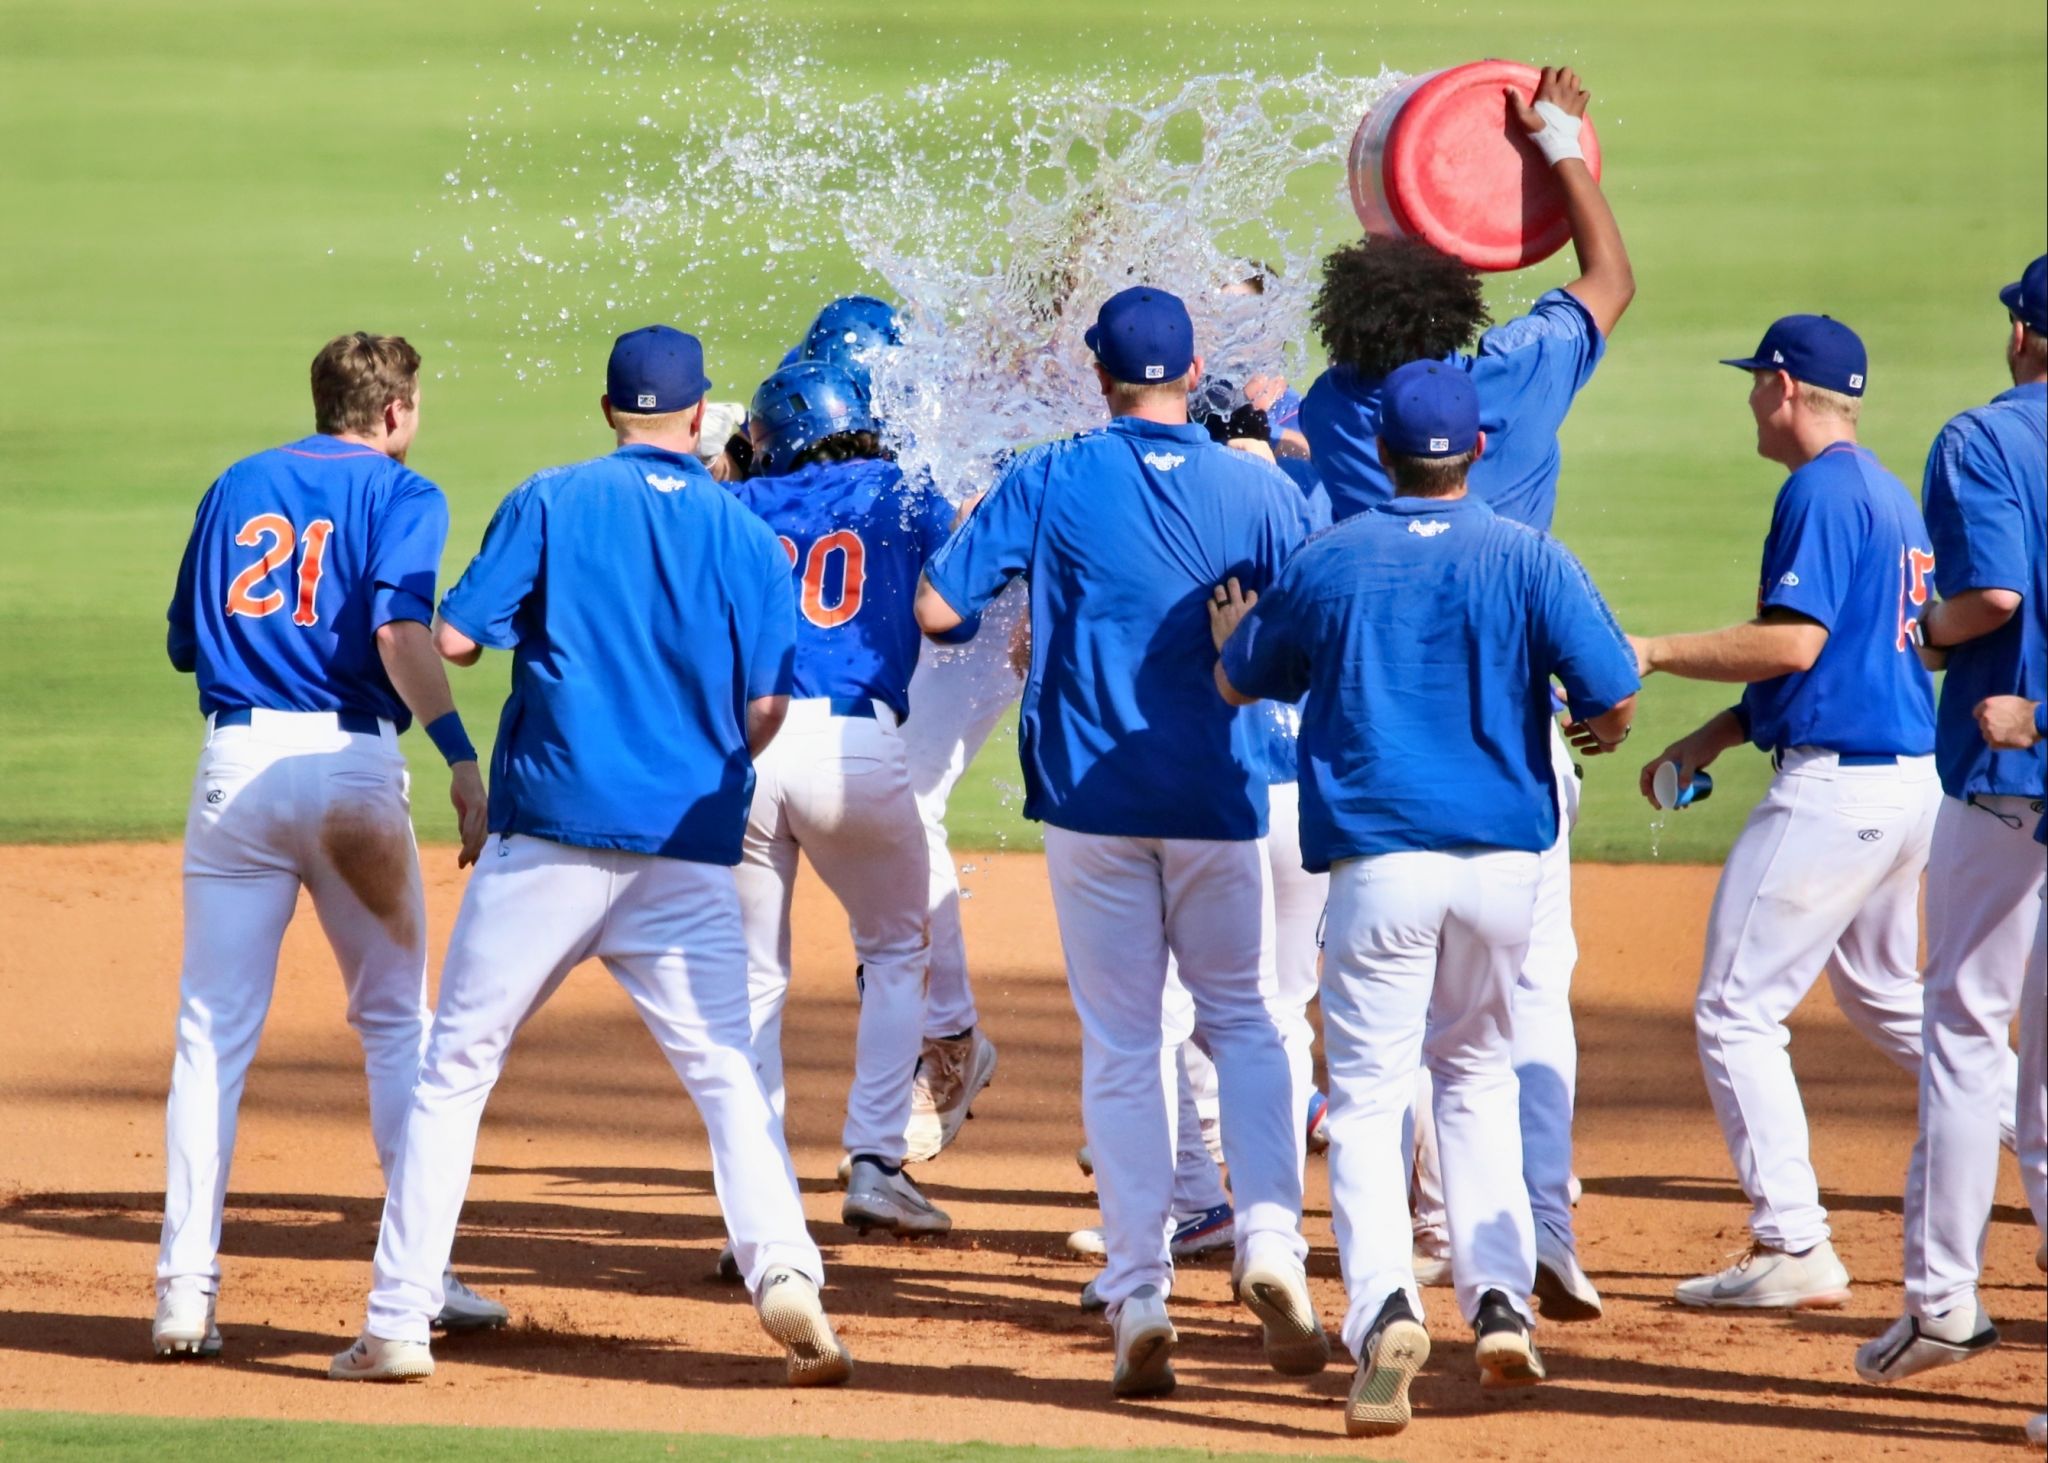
column 591, row 1215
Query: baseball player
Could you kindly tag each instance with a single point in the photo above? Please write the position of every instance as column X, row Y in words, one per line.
column 1985, row 498
column 301, row 609
column 835, row 784
column 1152, row 816
column 652, row 628
column 961, row 691
column 1425, row 632
column 1826, row 872
column 1387, row 301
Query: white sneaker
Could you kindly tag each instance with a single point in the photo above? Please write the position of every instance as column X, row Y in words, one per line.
column 792, row 1313
column 2037, row 1429
column 1277, row 1293
column 1145, row 1339
column 373, row 1359
column 462, row 1309
column 1084, row 1160
column 950, row 1075
column 1432, row 1264
column 1194, row 1235
column 1911, row 1344
column 184, row 1325
column 1765, row 1279
column 1563, row 1293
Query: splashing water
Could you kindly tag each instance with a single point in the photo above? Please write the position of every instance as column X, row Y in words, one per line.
column 999, row 213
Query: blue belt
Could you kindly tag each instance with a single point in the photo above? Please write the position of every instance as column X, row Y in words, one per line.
column 354, row 722
column 852, row 706
column 1867, row 759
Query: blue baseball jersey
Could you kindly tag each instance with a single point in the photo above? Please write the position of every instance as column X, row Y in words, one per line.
column 644, row 608
column 857, row 536
column 1271, row 728
column 1847, row 549
column 1285, row 415
column 1526, row 373
column 1124, row 533
column 297, row 557
column 1425, row 632
column 1985, row 494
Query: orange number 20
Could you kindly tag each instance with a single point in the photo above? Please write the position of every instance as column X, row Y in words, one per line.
column 312, row 560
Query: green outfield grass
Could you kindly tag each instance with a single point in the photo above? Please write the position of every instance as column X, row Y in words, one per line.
column 82, row 1438
column 195, row 195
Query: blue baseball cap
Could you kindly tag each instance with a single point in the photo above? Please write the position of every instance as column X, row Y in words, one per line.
column 1817, row 349
column 2028, row 299
column 1429, row 409
column 656, row 369
column 1143, row 335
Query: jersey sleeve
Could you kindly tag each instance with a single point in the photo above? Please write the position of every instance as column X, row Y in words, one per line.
column 406, row 539
column 1810, row 556
column 484, row 604
column 1546, row 357
column 934, row 528
column 994, row 545
column 1579, row 640
column 181, row 643
column 771, row 658
column 1267, row 655
column 1975, row 520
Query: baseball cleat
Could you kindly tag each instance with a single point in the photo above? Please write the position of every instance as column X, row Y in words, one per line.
column 184, row 1326
column 1506, row 1355
column 845, row 1170
column 1091, row 1299
column 729, row 1265
column 1318, row 1123
column 373, row 1359
column 1563, row 1293
column 1912, row 1345
column 1087, row 1244
column 1574, row 1190
column 1431, row 1260
column 1084, row 1160
column 462, row 1309
column 1394, row 1351
column 1194, row 1235
column 1145, row 1339
column 791, row 1312
column 1765, row 1279
column 951, row 1072
column 882, row 1197
column 1277, row 1293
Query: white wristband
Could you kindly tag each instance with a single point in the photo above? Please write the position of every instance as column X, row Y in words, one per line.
column 1559, row 138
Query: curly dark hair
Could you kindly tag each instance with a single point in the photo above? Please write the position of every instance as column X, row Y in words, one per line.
column 842, row 447
column 1387, row 301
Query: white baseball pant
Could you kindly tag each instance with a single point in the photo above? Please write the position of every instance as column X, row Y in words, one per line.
column 1123, row 904
column 2032, row 1120
column 1421, row 952
column 669, row 932
column 1546, row 1041
column 1985, row 877
column 958, row 694
column 835, row 788
column 289, row 800
column 1825, row 873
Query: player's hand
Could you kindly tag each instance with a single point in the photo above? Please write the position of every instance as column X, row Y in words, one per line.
column 1252, row 445
column 1227, row 607
column 1587, row 742
column 2007, row 722
column 472, row 810
column 1263, row 391
column 1559, row 85
column 1690, row 755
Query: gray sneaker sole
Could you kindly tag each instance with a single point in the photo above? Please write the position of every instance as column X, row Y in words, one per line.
column 1555, row 1301
column 1509, row 1359
column 1295, row 1343
column 1146, row 1369
column 1378, row 1405
column 816, row 1356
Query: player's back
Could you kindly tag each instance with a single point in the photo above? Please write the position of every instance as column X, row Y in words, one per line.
column 639, row 599
column 1527, row 373
column 857, row 535
column 297, row 555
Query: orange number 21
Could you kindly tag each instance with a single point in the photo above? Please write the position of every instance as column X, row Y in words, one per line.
column 242, row 600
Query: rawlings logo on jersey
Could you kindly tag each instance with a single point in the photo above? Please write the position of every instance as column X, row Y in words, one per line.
column 1430, row 529
column 661, row 484
column 1790, row 581
column 1163, row 461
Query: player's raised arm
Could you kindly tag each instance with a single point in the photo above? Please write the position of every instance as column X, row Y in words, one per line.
column 1606, row 282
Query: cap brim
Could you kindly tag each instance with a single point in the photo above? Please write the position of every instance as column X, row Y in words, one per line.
column 1751, row 363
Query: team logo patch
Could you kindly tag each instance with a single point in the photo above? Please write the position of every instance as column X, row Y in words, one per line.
column 661, row 484
column 646, row 401
column 1155, row 373
column 1163, row 461
column 1790, row 581
column 1870, row 835
column 1430, row 529
column 1439, row 444
column 1855, row 382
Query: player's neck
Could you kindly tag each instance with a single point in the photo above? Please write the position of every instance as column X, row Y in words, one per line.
column 1160, row 414
column 682, row 444
column 378, row 442
column 1815, row 435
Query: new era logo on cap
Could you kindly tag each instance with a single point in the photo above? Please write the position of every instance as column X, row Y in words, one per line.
column 1815, row 349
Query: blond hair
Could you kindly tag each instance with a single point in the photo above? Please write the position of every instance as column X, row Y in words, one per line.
column 1126, row 397
column 1825, row 403
column 651, row 424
